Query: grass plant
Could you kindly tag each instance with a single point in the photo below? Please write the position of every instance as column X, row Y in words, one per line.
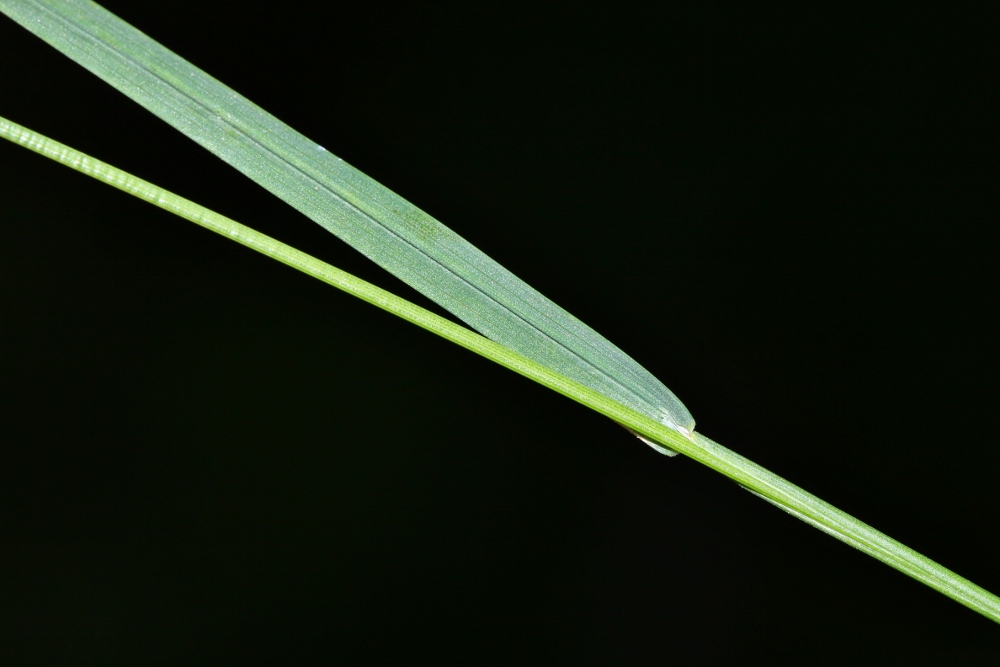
column 419, row 250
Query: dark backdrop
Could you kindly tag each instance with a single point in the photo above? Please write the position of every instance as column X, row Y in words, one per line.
column 789, row 216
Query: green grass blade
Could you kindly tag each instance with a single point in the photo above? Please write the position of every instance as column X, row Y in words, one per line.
column 751, row 476
column 385, row 227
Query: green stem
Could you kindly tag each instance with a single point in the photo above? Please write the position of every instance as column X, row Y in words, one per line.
column 751, row 476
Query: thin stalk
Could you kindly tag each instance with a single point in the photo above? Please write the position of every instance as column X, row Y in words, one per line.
column 748, row 474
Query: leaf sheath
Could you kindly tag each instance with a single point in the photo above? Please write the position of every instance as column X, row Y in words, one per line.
column 749, row 475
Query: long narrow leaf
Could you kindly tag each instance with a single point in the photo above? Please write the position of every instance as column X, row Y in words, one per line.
column 752, row 477
column 385, row 227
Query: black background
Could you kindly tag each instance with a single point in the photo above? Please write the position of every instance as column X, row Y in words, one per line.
column 787, row 215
